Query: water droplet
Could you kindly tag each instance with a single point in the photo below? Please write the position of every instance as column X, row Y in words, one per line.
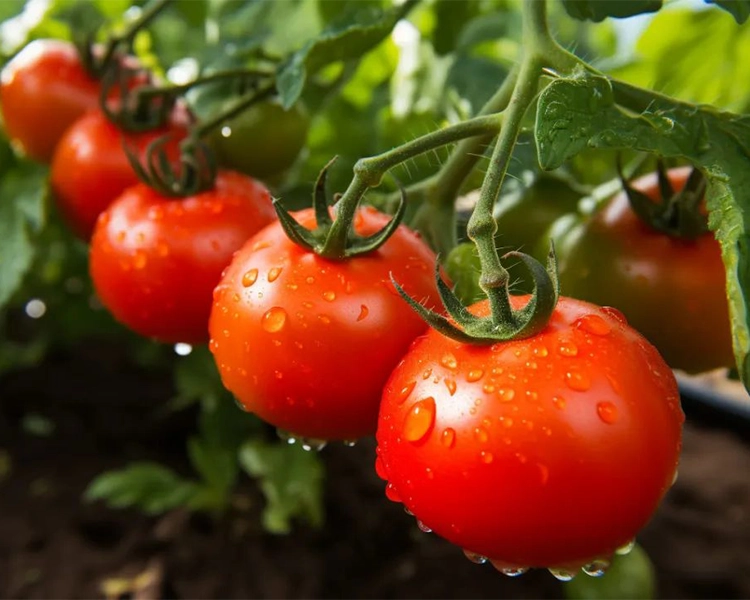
column 391, row 493
column 567, row 348
column 513, row 571
column 531, row 396
column 507, row 422
column 329, row 296
column 307, row 304
column 273, row 274
column 474, row 557
column 558, row 401
column 575, row 380
column 35, row 308
column 486, row 457
column 278, row 375
column 607, row 412
column 140, row 260
column 593, row 324
column 363, row 312
column 474, row 375
column 419, row 420
column 310, row 279
column 626, row 548
column 313, row 444
column 540, row 351
column 213, row 345
column 448, row 437
column 481, row 435
column 449, row 361
column 285, row 436
column 408, row 512
column 531, row 364
column 404, row 392
column 182, row 349
column 506, row 394
column 350, row 443
column 450, row 384
column 615, row 314
column 262, row 245
column 596, row 568
column 562, row 574
column 325, row 319
column 423, row 527
column 426, row 374
column 250, row 277
column 274, row 319
column 674, row 477
column 380, row 469
column 121, row 235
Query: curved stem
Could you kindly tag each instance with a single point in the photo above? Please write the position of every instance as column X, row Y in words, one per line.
column 368, row 172
column 236, row 108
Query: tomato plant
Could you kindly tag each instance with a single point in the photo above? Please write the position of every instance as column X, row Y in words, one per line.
column 264, row 140
column 307, row 343
column 672, row 290
column 155, row 260
column 549, row 451
column 90, row 167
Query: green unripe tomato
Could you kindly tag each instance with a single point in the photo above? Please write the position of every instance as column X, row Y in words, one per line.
column 629, row 576
column 263, row 141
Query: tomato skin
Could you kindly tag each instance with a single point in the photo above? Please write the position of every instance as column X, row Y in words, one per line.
column 672, row 290
column 155, row 260
column 90, row 167
column 265, row 140
column 307, row 343
column 550, row 451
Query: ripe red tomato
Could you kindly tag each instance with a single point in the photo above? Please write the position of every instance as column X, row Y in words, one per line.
column 672, row 290
column 43, row 90
column 308, row 343
column 551, row 451
column 155, row 260
column 90, row 168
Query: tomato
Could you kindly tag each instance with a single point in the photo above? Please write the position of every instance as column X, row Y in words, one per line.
column 550, row 451
column 43, row 90
column 90, row 167
column 672, row 290
column 155, row 260
column 262, row 141
column 308, row 343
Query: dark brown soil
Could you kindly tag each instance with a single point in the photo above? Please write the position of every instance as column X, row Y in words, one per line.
column 53, row 545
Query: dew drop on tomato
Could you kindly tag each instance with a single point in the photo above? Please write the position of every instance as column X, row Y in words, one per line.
column 329, row 296
column 593, row 324
column 562, row 574
column 596, row 568
column 380, row 469
column 273, row 274
column 615, row 314
column 607, row 412
column 250, row 277
column 391, row 493
column 450, row 384
column 449, row 361
column 567, row 349
column 474, row 557
column 506, row 394
column 274, row 319
column 625, row 548
column 419, row 420
column 486, row 457
column 474, row 375
column 481, row 435
column 448, row 437
column 422, row 527
column 363, row 312
column 405, row 392
column 559, row 402
column 575, row 380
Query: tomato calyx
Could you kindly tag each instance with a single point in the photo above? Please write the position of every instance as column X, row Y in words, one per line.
column 675, row 213
column 324, row 239
column 504, row 322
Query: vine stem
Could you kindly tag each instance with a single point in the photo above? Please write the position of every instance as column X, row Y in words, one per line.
column 236, row 108
column 482, row 226
column 368, row 172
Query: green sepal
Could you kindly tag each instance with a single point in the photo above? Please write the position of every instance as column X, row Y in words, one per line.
column 297, row 233
column 320, row 202
column 363, row 245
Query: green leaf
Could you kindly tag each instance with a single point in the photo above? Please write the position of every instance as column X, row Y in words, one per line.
column 22, row 214
column 217, row 466
column 292, row 482
column 147, row 486
column 598, row 10
column 587, row 111
column 450, row 19
column 338, row 43
column 739, row 9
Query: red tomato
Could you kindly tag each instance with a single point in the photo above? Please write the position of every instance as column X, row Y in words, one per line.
column 90, row 168
column 43, row 90
column 155, row 260
column 308, row 343
column 551, row 451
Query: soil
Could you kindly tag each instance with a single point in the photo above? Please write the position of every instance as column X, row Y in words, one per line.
column 55, row 545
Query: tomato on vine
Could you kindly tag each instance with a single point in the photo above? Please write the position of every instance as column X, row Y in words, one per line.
column 90, row 167
column 672, row 289
column 155, row 260
column 262, row 141
column 307, row 342
column 44, row 89
column 548, row 451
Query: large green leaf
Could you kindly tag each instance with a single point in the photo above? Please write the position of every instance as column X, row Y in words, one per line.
column 338, row 43
column 593, row 111
column 291, row 479
column 22, row 214
column 598, row 10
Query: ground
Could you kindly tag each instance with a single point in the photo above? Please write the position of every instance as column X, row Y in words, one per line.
column 54, row 545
